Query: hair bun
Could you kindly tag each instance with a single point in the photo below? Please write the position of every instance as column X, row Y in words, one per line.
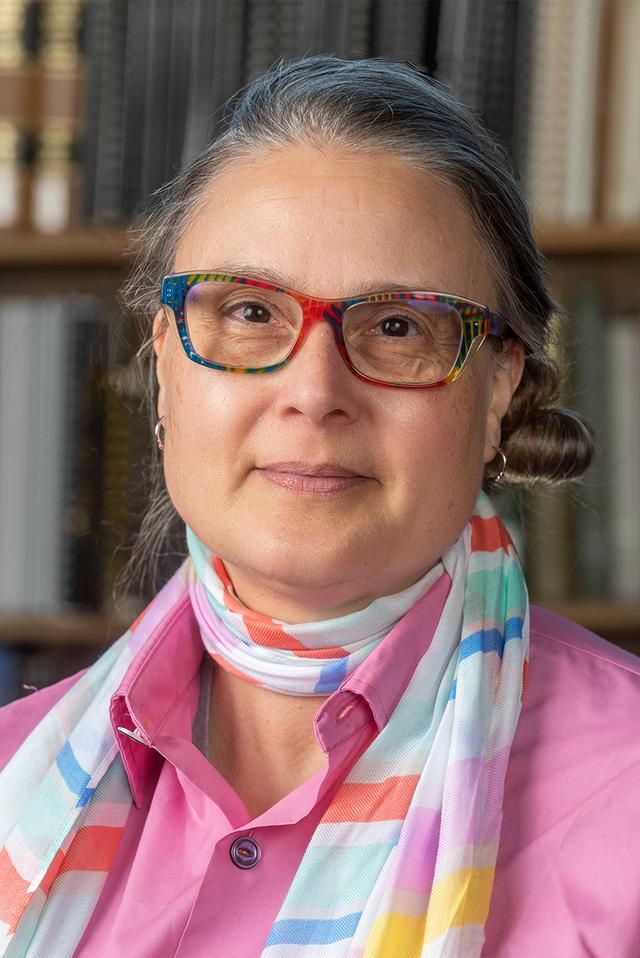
column 543, row 442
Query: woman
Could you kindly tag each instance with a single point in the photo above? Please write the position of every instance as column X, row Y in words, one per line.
column 323, row 736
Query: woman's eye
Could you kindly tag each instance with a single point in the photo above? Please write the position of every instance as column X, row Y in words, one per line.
column 251, row 312
column 397, row 327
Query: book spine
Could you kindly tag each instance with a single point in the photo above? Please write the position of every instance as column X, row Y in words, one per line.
column 15, row 442
column 217, row 63
column 88, row 319
column 623, row 453
column 585, row 302
column 399, row 31
column 550, row 509
column 56, row 177
column 105, row 41
column 621, row 183
column 18, row 110
column 579, row 198
column 46, row 346
column 547, row 140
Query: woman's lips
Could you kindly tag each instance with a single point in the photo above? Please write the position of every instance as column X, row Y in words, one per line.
column 319, row 478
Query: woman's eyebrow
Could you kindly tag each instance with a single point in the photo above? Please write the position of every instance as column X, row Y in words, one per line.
column 279, row 279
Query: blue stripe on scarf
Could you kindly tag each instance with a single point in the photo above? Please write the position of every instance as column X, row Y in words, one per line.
column 491, row 640
column 488, row 640
column 332, row 674
column 312, row 931
column 74, row 775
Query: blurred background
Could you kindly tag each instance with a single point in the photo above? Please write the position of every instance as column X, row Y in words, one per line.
column 102, row 101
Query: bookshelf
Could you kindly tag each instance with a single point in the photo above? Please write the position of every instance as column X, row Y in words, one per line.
column 96, row 260
column 120, row 74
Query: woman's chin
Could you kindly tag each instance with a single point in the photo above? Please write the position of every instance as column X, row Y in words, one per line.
column 309, row 585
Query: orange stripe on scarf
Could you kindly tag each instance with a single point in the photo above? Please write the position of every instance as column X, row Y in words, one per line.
column 93, row 849
column 262, row 629
column 372, row 801
column 489, row 535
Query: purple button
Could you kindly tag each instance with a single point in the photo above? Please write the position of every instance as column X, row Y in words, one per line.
column 245, row 852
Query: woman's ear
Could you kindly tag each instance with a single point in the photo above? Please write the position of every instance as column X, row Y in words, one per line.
column 508, row 368
column 160, row 329
column 160, row 343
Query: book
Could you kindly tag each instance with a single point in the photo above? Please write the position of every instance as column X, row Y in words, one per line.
column 18, row 110
column 549, row 510
column 579, row 174
column 621, row 185
column 400, row 31
column 48, row 437
column 32, row 440
column 87, row 357
column 553, row 59
column 55, row 187
column 217, row 71
column 104, row 44
column 622, row 450
column 585, row 300
column 155, row 122
column 137, row 55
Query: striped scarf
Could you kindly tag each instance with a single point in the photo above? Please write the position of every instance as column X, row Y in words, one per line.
column 312, row 658
column 403, row 859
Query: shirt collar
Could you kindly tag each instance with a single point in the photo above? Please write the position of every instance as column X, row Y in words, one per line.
column 159, row 692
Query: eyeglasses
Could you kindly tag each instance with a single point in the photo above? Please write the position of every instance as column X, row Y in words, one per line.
column 397, row 338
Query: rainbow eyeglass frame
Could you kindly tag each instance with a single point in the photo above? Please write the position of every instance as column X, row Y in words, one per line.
column 477, row 321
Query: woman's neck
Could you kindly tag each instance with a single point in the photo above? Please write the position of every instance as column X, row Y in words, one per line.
column 262, row 742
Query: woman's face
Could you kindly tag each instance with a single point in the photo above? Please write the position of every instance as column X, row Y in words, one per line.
column 331, row 223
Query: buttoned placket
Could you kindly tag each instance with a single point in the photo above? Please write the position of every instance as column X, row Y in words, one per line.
column 242, row 858
column 246, row 852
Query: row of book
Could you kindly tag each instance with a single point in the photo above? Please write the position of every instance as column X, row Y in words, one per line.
column 582, row 539
column 67, row 467
column 582, row 109
column 42, row 90
column 103, row 102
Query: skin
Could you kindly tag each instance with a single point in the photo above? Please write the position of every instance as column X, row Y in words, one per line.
column 331, row 222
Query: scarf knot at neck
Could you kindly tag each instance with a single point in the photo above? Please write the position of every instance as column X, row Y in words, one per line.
column 307, row 658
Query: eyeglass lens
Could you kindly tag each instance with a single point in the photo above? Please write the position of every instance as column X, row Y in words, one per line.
column 403, row 341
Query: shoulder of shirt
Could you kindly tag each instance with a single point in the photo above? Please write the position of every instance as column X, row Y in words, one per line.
column 551, row 627
column 20, row 717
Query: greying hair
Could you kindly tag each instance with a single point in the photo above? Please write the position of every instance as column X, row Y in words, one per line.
column 364, row 106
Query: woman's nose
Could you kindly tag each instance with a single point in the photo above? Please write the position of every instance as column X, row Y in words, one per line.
column 316, row 380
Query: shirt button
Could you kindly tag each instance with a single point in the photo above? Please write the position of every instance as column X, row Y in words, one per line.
column 245, row 852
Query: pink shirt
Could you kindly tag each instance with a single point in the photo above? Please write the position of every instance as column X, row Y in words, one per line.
column 567, row 879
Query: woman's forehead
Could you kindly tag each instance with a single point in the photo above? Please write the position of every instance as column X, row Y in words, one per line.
column 333, row 226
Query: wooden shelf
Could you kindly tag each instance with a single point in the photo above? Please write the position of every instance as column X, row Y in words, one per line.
column 599, row 239
column 608, row 618
column 82, row 248
column 55, row 630
column 111, row 248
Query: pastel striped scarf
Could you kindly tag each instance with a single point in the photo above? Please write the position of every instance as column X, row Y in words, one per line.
column 403, row 860
column 310, row 658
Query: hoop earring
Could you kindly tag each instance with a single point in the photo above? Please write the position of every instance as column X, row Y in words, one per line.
column 159, row 441
column 499, row 476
